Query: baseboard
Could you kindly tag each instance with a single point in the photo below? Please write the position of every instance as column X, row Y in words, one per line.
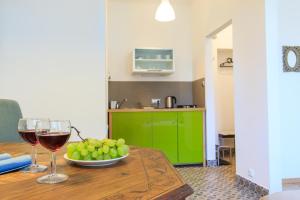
column 245, row 183
column 211, row 163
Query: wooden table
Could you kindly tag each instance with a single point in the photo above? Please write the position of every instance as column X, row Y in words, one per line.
column 144, row 174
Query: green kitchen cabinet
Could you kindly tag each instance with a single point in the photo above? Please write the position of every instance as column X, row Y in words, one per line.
column 190, row 137
column 165, row 134
column 179, row 134
column 135, row 128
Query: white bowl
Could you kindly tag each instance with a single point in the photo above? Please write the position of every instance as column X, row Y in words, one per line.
column 94, row 163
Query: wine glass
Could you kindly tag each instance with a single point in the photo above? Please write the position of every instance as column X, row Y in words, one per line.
column 26, row 129
column 53, row 135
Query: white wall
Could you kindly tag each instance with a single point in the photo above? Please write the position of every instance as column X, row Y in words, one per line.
column 275, row 159
column 131, row 24
column 224, row 38
column 289, row 89
column 52, row 60
column 219, row 91
column 252, row 122
column 208, row 15
column 224, row 81
column 210, row 100
column 251, row 101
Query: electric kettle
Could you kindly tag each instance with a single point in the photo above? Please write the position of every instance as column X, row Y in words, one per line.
column 170, row 102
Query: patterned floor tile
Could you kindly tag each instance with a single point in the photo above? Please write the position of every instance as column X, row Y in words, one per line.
column 215, row 183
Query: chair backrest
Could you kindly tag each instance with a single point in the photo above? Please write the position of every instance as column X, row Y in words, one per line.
column 227, row 141
column 10, row 113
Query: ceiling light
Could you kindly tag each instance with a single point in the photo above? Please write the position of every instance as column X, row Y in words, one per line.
column 165, row 12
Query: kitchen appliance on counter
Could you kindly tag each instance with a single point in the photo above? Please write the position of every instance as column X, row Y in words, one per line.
column 187, row 106
column 117, row 104
column 170, row 102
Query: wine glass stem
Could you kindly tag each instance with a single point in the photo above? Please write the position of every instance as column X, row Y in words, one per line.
column 33, row 156
column 53, row 164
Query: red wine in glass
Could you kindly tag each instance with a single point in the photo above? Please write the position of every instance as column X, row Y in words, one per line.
column 26, row 130
column 29, row 136
column 56, row 135
column 54, row 141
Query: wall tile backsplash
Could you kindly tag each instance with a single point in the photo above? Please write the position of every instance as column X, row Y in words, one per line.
column 140, row 93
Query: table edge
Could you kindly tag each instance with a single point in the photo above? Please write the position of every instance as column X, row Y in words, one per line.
column 180, row 193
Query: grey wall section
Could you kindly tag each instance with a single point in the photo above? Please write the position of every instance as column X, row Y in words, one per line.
column 199, row 92
column 140, row 93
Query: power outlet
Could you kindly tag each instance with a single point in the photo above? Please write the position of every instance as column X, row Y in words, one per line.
column 155, row 101
column 251, row 173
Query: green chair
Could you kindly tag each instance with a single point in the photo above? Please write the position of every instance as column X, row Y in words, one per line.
column 10, row 113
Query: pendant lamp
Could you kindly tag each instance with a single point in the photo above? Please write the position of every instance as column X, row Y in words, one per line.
column 165, row 12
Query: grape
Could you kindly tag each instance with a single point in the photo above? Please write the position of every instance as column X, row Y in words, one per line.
column 121, row 151
column 92, row 141
column 100, row 157
column 75, row 155
column 111, row 143
column 100, row 151
column 105, row 149
column 105, row 141
column 84, row 152
column 113, row 153
column 98, row 143
column 87, row 157
column 125, row 148
column 120, row 142
column 91, row 148
column 80, row 146
column 95, row 155
column 86, row 143
column 106, row 156
column 71, row 147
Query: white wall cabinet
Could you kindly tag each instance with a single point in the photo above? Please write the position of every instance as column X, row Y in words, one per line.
column 158, row 61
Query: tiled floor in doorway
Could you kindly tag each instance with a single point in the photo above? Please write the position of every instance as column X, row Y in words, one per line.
column 215, row 183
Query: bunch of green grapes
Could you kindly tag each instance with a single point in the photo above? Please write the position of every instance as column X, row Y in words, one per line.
column 93, row 149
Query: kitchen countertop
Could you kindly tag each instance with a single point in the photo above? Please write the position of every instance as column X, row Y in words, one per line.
column 156, row 110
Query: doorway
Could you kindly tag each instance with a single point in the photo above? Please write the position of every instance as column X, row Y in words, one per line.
column 219, row 97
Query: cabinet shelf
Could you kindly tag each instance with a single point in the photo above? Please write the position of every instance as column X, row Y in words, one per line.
column 154, row 60
column 157, row 61
column 153, row 71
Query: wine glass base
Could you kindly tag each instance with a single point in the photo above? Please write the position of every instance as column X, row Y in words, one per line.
column 52, row 179
column 34, row 169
